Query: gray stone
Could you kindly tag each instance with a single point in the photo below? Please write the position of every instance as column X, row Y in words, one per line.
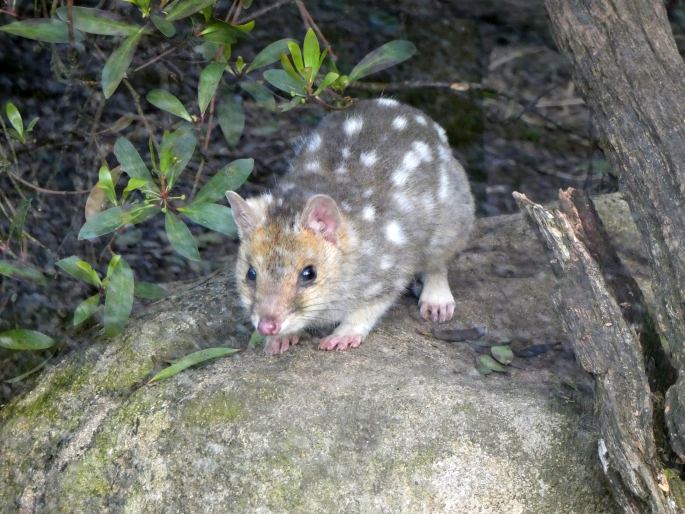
column 403, row 424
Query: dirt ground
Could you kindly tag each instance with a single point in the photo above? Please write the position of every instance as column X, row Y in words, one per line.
column 520, row 125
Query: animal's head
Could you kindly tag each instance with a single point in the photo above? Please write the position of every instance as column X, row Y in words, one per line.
column 288, row 268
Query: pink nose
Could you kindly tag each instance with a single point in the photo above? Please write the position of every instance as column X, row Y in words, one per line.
column 268, row 327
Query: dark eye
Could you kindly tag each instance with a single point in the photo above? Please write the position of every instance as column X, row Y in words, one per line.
column 308, row 275
column 251, row 274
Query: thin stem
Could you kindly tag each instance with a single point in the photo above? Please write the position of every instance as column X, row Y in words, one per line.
column 309, row 21
column 158, row 57
column 139, row 108
column 208, row 134
column 196, row 181
column 263, row 10
column 46, row 191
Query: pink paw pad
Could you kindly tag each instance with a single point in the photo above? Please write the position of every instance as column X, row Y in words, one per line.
column 436, row 311
column 340, row 343
column 279, row 344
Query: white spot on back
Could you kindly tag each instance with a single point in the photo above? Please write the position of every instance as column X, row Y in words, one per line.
column 352, row 125
column 369, row 213
column 312, row 166
column 368, row 158
column 387, row 262
column 444, row 188
column 346, row 207
column 441, row 132
column 402, row 200
column 287, row 186
column 409, row 162
column 444, row 153
column 314, row 143
column 387, row 102
column 394, row 233
column 421, row 119
column 368, row 193
column 399, row 123
column 427, row 201
column 340, row 170
column 373, row 290
column 422, row 150
column 367, row 248
column 345, row 153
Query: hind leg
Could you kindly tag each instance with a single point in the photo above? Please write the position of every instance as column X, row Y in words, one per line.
column 436, row 302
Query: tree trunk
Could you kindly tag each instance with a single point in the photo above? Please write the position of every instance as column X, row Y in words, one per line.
column 633, row 78
column 607, row 347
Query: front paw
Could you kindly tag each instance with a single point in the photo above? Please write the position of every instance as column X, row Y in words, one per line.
column 340, row 343
column 279, row 344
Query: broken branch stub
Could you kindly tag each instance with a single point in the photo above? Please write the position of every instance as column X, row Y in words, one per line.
column 606, row 346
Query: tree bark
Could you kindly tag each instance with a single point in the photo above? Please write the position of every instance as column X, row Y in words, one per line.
column 607, row 347
column 633, row 78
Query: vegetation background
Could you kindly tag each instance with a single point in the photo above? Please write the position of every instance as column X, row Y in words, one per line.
column 487, row 71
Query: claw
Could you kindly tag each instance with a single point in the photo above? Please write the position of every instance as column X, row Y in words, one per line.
column 279, row 344
column 340, row 343
column 437, row 312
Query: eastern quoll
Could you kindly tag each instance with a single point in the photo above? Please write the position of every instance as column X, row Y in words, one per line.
column 374, row 199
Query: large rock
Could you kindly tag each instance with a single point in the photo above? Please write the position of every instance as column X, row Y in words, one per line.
column 404, row 423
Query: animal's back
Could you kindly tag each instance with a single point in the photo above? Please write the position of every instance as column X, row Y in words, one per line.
column 390, row 169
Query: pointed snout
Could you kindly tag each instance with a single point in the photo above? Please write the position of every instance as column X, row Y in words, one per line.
column 269, row 326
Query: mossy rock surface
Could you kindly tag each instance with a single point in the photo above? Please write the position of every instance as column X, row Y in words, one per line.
column 403, row 424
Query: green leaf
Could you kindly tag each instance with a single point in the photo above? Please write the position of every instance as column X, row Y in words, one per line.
column 23, row 339
column 211, row 215
column 106, row 184
column 269, row 54
column 502, row 354
column 218, row 31
column 115, row 68
column 95, row 21
column 383, row 57
column 192, row 360
column 487, row 362
column 260, row 93
column 209, row 81
column 14, row 116
column 296, row 55
column 184, row 8
column 135, row 184
column 180, row 237
column 103, row 223
column 30, row 372
column 256, row 340
column 176, row 151
column 130, row 160
column 286, row 106
column 164, row 100
column 231, row 119
column 19, row 269
column 118, row 298
column 149, row 291
column 288, row 67
column 79, row 269
column 32, row 124
column 19, row 220
column 86, row 309
column 311, row 52
column 228, row 178
column 110, row 220
column 164, row 26
column 48, row 30
column 281, row 80
column 330, row 77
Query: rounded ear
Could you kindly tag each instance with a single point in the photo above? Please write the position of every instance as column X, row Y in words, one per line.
column 244, row 216
column 322, row 216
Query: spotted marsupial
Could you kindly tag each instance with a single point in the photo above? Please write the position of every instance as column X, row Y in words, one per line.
column 374, row 199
